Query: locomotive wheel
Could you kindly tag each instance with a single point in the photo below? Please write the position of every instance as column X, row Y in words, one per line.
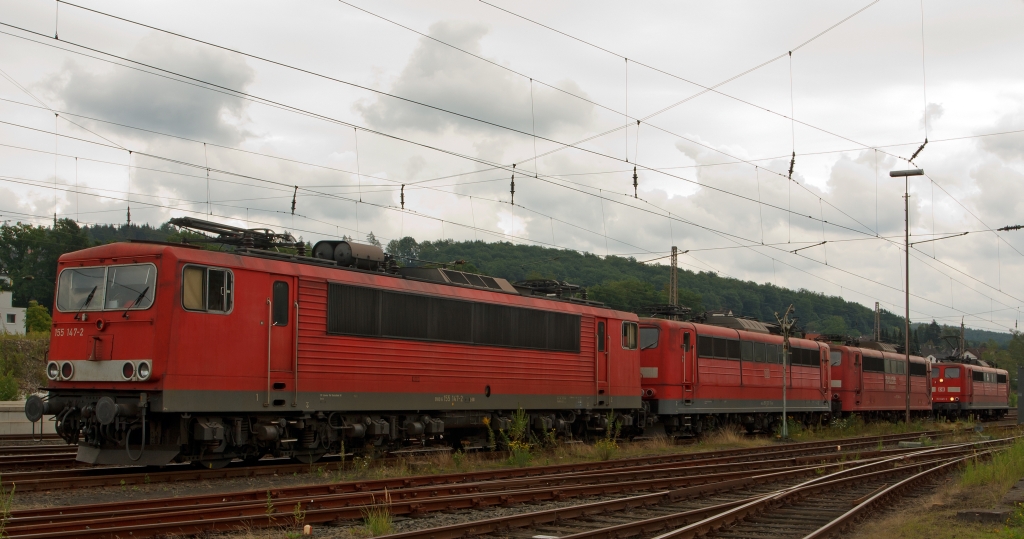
column 211, row 464
column 308, row 458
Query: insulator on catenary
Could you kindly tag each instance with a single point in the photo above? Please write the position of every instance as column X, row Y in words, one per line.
column 634, row 182
column 513, row 186
column 403, row 196
column 925, row 143
column 792, row 163
column 295, row 192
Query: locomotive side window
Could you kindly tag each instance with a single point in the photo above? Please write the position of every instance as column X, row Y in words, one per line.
column 747, row 350
column 1001, row 378
column 952, row 372
column 835, row 358
column 649, row 338
column 978, row 376
column 279, row 305
column 686, row 342
column 774, row 352
column 760, row 352
column 705, row 346
column 874, row 364
column 206, row 289
column 629, row 334
column 918, row 369
column 368, row 312
column 600, row 336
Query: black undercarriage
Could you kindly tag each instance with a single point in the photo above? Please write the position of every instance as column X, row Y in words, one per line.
column 121, row 429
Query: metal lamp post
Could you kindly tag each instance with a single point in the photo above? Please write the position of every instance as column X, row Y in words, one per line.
column 905, row 174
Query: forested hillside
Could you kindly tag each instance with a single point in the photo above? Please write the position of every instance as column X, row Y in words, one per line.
column 628, row 284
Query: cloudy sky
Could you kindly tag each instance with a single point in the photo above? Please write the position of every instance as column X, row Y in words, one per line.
column 187, row 108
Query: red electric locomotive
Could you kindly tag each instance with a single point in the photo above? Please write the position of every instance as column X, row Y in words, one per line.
column 869, row 378
column 961, row 389
column 165, row 353
column 697, row 376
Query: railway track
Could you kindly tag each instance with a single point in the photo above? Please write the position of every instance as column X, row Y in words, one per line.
column 79, row 477
column 425, row 494
column 817, row 507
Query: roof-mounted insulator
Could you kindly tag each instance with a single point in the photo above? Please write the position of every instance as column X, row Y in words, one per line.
column 294, row 193
column 403, row 196
column 129, row 215
column 792, row 163
column 512, row 189
column 925, row 143
column 634, row 182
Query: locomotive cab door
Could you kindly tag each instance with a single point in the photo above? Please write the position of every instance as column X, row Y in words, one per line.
column 282, row 323
column 602, row 351
column 688, row 344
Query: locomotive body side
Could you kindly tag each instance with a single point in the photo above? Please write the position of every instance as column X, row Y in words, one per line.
column 252, row 355
column 699, row 376
column 963, row 389
column 873, row 382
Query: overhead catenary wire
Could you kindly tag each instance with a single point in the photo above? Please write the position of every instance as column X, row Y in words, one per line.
column 683, row 220
column 563, row 145
column 315, row 115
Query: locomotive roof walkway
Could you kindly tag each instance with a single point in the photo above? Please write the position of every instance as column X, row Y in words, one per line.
column 683, row 488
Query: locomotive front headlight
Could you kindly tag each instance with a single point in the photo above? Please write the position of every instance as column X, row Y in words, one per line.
column 128, row 370
column 144, row 370
column 67, row 370
column 52, row 370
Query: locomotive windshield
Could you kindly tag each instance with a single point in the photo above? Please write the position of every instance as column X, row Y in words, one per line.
column 106, row 288
column 648, row 338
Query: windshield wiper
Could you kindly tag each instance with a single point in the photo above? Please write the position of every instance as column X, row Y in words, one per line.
column 652, row 345
column 88, row 300
column 136, row 302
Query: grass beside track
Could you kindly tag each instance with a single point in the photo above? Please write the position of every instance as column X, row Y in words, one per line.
column 979, row 485
column 541, row 453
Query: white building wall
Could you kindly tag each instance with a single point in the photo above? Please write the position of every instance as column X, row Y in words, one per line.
column 12, row 319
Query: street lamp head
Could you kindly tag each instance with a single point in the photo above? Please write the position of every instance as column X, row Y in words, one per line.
column 902, row 173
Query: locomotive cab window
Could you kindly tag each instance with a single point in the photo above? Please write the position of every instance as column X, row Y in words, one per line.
column 835, row 358
column 649, row 337
column 600, row 336
column 123, row 287
column 207, row 289
column 629, row 335
column 1001, row 378
column 952, row 372
column 935, row 372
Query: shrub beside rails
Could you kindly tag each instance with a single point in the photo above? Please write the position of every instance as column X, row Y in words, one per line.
column 164, row 352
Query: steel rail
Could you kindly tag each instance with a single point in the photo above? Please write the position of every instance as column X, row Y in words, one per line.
column 719, row 521
column 114, row 476
column 400, row 489
column 403, row 501
column 849, row 518
column 328, row 508
column 622, row 530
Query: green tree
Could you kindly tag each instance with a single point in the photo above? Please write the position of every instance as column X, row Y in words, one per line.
column 29, row 254
column 627, row 294
column 37, row 319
